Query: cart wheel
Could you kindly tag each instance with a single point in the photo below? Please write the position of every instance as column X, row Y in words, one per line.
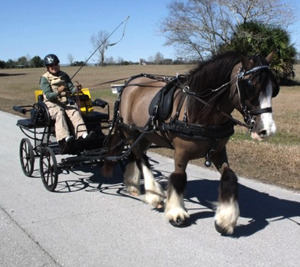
column 48, row 169
column 26, row 157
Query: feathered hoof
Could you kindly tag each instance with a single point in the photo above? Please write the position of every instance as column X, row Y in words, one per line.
column 180, row 223
column 222, row 230
column 133, row 191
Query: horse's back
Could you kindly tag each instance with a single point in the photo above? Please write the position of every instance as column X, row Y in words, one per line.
column 136, row 99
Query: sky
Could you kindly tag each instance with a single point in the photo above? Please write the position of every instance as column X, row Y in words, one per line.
column 37, row 27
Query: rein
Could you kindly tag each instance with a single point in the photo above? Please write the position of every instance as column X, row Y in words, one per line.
column 245, row 109
column 156, row 77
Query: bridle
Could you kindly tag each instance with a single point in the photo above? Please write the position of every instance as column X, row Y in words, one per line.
column 247, row 112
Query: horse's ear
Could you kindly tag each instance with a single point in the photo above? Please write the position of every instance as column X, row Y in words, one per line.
column 269, row 57
column 246, row 63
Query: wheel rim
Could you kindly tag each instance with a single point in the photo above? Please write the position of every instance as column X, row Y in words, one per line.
column 26, row 157
column 48, row 169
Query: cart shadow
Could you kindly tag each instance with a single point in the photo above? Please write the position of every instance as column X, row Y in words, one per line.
column 89, row 179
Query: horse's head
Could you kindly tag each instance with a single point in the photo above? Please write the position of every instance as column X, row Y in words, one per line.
column 256, row 86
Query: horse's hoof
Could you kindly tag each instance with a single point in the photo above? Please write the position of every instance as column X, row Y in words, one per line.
column 133, row 191
column 180, row 222
column 159, row 206
column 222, row 230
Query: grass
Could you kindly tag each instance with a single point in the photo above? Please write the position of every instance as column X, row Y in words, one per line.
column 274, row 161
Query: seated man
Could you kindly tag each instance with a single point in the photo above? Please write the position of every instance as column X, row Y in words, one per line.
column 57, row 86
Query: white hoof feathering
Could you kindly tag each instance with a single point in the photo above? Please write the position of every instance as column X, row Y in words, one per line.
column 175, row 209
column 154, row 193
column 132, row 179
column 227, row 215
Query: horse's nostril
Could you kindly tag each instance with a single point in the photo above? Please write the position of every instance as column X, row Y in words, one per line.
column 262, row 133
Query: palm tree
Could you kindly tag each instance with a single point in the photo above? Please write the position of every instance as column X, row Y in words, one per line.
column 256, row 38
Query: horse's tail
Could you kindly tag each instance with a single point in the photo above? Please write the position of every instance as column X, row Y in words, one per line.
column 115, row 147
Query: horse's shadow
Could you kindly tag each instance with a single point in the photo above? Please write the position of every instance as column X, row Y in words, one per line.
column 257, row 207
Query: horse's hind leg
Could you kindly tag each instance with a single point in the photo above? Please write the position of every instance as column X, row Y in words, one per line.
column 133, row 171
column 132, row 178
column 154, row 192
column 227, row 211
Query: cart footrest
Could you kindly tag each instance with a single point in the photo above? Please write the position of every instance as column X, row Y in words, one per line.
column 95, row 117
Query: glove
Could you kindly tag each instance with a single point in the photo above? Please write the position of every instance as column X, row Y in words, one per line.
column 79, row 87
column 61, row 89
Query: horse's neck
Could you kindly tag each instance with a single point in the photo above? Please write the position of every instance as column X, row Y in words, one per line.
column 226, row 103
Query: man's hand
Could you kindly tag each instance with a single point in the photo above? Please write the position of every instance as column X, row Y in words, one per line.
column 61, row 88
column 78, row 86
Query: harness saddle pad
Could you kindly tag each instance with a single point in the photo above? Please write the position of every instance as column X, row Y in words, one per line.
column 162, row 103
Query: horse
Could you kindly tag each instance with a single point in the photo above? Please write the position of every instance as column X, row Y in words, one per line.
column 191, row 114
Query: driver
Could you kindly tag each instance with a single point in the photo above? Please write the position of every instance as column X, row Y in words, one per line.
column 57, row 86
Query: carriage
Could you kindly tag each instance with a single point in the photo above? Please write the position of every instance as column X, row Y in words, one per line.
column 190, row 114
column 40, row 142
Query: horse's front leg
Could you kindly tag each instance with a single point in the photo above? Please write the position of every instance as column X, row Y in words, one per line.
column 174, row 209
column 227, row 211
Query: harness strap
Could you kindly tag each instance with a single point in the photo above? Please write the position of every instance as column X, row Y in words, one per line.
column 260, row 111
column 195, row 131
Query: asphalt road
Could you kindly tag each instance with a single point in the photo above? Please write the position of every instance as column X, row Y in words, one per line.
column 92, row 221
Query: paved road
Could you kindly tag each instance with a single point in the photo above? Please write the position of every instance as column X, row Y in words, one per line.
column 91, row 221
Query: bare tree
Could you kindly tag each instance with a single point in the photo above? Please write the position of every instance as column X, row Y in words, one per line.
column 276, row 12
column 70, row 59
column 100, row 41
column 158, row 58
column 198, row 27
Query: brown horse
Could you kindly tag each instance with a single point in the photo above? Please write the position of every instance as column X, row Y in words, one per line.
column 192, row 115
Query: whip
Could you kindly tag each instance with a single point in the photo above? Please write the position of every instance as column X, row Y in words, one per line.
column 104, row 41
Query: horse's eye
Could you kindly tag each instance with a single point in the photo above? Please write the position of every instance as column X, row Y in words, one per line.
column 250, row 89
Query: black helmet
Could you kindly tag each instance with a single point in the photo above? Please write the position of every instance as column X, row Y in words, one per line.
column 51, row 59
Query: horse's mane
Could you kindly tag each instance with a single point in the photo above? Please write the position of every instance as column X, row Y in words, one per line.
column 207, row 75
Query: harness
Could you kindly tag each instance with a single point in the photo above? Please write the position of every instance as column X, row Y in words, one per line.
column 159, row 111
column 246, row 111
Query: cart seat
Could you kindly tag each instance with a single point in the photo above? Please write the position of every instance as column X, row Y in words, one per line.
column 26, row 123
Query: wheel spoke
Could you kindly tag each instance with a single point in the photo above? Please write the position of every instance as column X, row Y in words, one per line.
column 26, row 156
column 48, row 169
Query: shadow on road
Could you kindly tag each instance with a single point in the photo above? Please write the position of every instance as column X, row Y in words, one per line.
column 258, row 208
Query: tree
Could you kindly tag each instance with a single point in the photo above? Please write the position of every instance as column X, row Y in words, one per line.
column 36, row 62
column 70, row 59
column 2, row 64
column 10, row 63
column 199, row 27
column 110, row 61
column 101, row 43
column 158, row 58
column 22, row 62
column 255, row 38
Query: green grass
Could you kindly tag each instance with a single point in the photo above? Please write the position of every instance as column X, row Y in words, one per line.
column 280, row 138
